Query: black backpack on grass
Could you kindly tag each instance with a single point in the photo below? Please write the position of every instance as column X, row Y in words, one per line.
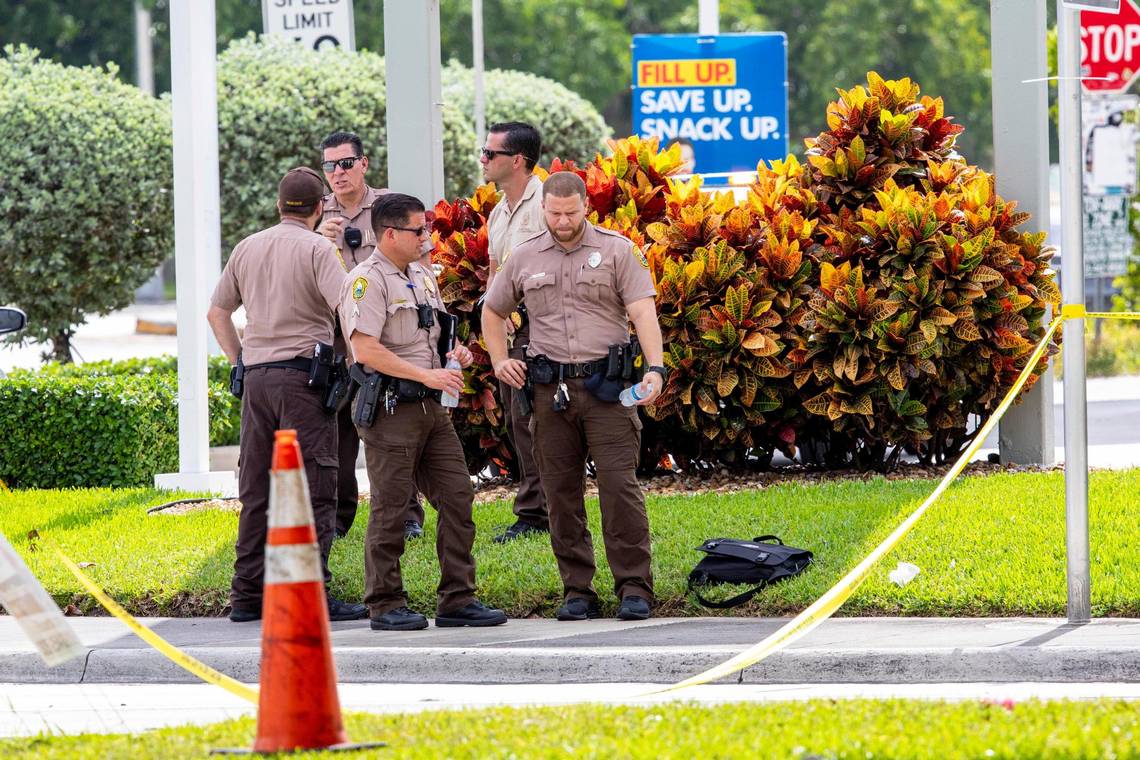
column 731, row 560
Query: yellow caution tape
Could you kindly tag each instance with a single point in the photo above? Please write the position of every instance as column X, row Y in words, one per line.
column 174, row 654
column 833, row 598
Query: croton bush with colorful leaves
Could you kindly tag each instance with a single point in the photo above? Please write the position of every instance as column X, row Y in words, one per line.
column 878, row 299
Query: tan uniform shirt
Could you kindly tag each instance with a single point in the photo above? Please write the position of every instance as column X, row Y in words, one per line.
column 289, row 280
column 360, row 218
column 506, row 228
column 576, row 299
column 380, row 300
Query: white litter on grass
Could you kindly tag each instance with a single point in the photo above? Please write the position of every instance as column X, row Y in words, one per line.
column 904, row 574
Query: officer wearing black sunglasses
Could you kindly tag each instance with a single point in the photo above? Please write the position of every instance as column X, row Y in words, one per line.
column 347, row 222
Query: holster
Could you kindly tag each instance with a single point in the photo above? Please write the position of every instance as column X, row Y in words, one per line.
column 340, row 390
column 372, row 386
column 237, row 378
column 322, row 368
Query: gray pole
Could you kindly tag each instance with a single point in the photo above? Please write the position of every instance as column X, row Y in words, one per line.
column 1073, row 289
column 1021, row 168
column 477, row 56
column 144, row 50
column 415, row 122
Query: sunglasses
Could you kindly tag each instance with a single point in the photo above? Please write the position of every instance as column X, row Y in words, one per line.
column 489, row 154
column 344, row 163
column 425, row 230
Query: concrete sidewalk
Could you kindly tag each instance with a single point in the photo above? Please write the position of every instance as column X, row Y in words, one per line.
column 666, row 650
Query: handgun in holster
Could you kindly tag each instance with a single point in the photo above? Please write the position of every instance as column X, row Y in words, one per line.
column 526, row 397
column 321, row 367
column 237, row 378
column 371, row 388
column 341, row 390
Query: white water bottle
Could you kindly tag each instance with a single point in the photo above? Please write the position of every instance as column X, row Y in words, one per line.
column 631, row 395
column 445, row 398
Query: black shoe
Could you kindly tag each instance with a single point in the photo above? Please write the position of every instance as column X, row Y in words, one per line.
column 518, row 530
column 475, row 615
column 633, row 608
column 579, row 608
column 400, row 619
column 412, row 529
column 245, row 614
column 339, row 610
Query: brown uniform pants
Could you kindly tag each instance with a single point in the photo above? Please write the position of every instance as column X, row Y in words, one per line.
column 347, row 489
column 277, row 399
column 610, row 433
column 530, row 501
column 416, row 447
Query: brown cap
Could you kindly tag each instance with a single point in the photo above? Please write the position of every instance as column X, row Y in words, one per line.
column 300, row 191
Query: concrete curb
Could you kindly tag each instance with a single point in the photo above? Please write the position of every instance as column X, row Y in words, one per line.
column 846, row 650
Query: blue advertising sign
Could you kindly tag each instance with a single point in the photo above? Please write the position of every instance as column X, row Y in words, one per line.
column 727, row 94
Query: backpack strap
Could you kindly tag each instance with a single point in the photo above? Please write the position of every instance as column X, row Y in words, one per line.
column 727, row 603
column 762, row 539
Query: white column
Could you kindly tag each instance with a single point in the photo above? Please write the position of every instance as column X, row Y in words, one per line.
column 1073, row 290
column 477, row 65
column 197, row 233
column 415, row 123
column 1021, row 166
column 708, row 17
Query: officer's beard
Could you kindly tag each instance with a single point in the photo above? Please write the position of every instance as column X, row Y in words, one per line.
column 568, row 237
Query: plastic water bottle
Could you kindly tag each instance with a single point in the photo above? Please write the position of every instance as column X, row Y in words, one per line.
column 631, row 395
column 445, row 398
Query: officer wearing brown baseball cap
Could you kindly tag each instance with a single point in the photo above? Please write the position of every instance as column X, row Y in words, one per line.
column 288, row 279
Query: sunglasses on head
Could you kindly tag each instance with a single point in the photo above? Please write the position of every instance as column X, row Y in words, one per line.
column 344, row 163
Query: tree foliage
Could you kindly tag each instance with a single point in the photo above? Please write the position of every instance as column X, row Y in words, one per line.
column 85, row 201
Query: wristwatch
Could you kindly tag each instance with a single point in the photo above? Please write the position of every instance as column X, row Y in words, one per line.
column 660, row 371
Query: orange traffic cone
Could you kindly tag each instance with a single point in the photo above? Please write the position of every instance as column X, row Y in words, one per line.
column 298, row 708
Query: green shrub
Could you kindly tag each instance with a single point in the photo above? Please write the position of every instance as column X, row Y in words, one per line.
column 63, row 431
column 85, row 202
column 277, row 101
column 571, row 127
column 224, row 431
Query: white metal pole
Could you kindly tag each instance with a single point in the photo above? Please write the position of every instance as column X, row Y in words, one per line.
column 197, row 231
column 415, row 107
column 708, row 17
column 477, row 56
column 1073, row 289
column 144, row 50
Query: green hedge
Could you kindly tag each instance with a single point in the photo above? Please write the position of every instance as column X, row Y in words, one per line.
column 571, row 127
column 63, row 430
column 277, row 100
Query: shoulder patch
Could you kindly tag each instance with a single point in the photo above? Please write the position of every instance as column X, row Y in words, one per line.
column 640, row 256
column 359, row 288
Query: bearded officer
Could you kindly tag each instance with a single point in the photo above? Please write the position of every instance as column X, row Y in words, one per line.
column 582, row 285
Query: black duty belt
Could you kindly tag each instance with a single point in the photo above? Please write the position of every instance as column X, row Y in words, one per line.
column 299, row 363
column 572, row 371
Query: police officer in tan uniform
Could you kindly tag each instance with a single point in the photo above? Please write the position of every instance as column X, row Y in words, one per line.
column 582, row 285
column 508, row 159
column 392, row 314
column 347, row 222
column 289, row 281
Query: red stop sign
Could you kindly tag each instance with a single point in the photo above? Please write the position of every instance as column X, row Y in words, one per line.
column 1110, row 48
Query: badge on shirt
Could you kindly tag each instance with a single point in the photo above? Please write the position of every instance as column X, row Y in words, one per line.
column 429, row 285
column 640, row 256
column 595, row 259
column 359, row 288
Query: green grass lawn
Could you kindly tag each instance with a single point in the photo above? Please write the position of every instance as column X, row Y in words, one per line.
column 819, row 729
column 993, row 545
